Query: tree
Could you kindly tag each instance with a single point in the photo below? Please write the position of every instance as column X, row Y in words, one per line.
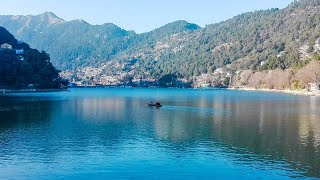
column 316, row 57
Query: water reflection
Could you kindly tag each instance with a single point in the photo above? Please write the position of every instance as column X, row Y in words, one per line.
column 266, row 132
column 278, row 131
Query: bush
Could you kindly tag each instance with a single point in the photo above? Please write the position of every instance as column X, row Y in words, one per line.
column 296, row 86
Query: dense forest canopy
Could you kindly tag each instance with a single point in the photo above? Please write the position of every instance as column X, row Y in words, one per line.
column 258, row 41
column 22, row 67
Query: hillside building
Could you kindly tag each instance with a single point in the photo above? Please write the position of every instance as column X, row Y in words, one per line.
column 19, row 51
column 6, row 46
column 314, row 87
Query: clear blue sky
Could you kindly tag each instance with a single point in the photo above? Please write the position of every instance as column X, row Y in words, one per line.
column 140, row 15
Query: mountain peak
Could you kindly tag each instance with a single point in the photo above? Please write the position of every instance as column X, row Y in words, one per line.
column 182, row 24
column 50, row 17
column 80, row 21
column 49, row 14
column 175, row 27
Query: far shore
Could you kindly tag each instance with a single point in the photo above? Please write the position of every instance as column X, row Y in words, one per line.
column 288, row 91
column 9, row 91
column 292, row 92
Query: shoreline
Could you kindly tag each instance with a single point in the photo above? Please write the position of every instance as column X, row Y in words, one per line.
column 291, row 92
column 288, row 91
column 10, row 91
column 297, row 93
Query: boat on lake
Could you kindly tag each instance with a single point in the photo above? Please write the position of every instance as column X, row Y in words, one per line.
column 157, row 104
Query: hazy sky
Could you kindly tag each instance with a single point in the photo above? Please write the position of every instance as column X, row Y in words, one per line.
column 140, row 15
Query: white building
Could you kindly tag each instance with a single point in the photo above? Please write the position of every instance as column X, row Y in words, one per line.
column 19, row 51
column 6, row 46
column 314, row 87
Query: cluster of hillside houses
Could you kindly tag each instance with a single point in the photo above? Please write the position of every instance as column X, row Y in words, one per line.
column 314, row 87
column 19, row 52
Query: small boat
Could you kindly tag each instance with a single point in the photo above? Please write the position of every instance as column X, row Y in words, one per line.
column 157, row 104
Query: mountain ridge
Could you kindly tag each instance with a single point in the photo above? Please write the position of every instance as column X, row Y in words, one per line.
column 50, row 36
column 260, row 40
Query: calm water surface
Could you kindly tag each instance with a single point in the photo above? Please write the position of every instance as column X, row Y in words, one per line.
column 111, row 133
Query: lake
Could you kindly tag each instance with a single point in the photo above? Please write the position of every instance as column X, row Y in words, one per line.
column 112, row 133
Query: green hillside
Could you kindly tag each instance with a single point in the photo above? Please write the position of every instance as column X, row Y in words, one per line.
column 21, row 66
column 275, row 39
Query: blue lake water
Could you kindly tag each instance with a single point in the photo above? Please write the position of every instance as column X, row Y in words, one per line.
column 111, row 133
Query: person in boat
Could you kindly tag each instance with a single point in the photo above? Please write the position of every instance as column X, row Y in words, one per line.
column 158, row 104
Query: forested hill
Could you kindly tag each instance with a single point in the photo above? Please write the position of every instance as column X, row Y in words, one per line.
column 23, row 67
column 260, row 41
column 69, row 41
